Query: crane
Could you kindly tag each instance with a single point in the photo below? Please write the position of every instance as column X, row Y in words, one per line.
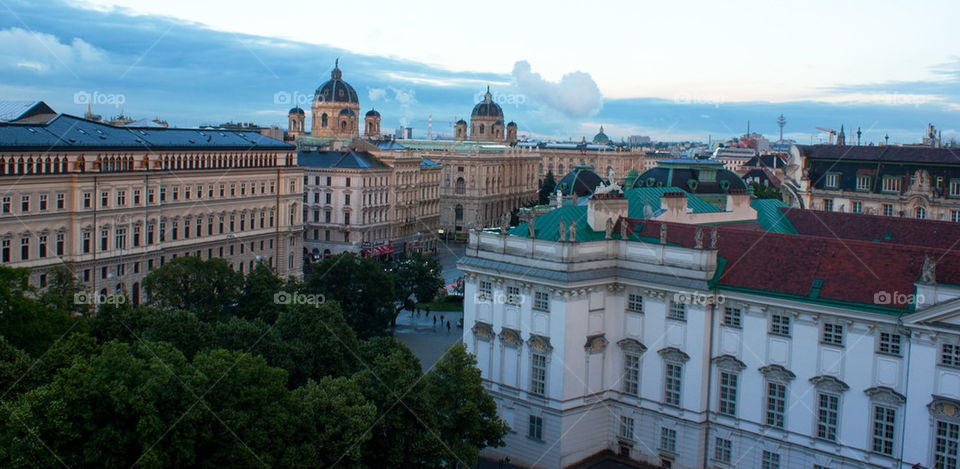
column 832, row 133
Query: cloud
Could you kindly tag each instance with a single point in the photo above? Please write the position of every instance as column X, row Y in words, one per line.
column 376, row 94
column 42, row 52
column 575, row 95
column 404, row 97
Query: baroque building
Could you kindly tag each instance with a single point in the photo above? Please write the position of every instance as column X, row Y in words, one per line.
column 692, row 336
column 113, row 203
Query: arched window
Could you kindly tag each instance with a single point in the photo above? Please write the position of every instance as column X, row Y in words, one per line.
column 921, row 213
column 461, row 186
column 323, row 120
column 481, row 129
column 458, row 212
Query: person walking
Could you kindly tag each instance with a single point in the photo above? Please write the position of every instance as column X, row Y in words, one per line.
column 428, row 310
column 441, row 319
column 448, row 327
column 434, row 322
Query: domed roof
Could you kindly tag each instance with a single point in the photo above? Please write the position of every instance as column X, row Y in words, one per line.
column 296, row 110
column 511, row 124
column 373, row 113
column 581, row 181
column 347, row 112
column 487, row 108
column 336, row 90
column 461, row 121
column 693, row 176
column 601, row 137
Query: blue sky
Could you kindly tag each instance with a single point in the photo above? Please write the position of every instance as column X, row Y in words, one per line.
column 684, row 72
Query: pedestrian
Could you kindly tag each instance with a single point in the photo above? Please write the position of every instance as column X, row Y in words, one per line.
column 418, row 310
column 441, row 319
column 434, row 322
column 448, row 327
column 428, row 310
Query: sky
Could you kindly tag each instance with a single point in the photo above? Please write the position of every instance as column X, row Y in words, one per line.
column 682, row 70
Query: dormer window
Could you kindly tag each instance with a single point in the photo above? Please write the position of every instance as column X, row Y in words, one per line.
column 863, row 182
column 832, row 180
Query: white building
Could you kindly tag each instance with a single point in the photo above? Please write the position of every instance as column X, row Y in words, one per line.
column 816, row 357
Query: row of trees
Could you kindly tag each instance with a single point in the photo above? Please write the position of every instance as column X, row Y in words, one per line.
column 216, row 371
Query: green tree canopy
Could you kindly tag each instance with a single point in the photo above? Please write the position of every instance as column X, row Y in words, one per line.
column 547, row 187
column 361, row 287
column 210, row 289
column 419, row 275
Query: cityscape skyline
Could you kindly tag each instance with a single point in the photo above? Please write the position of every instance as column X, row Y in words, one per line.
column 190, row 73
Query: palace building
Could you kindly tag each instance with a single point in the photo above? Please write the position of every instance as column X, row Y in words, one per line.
column 113, row 203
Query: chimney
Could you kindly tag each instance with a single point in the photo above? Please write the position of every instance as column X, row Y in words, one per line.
column 674, row 203
column 602, row 207
column 737, row 200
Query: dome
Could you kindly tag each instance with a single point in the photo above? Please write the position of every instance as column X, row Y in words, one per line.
column 336, row 90
column 693, row 176
column 487, row 108
column 347, row 112
column 601, row 137
column 461, row 122
column 297, row 110
column 373, row 113
column 581, row 181
column 499, row 122
column 512, row 124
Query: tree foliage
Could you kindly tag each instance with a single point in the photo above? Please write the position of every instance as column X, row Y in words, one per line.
column 547, row 187
column 210, row 289
column 364, row 291
column 419, row 275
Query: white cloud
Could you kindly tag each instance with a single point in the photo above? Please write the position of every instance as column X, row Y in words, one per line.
column 377, row 94
column 42, row 52
column 404, row 97
column 575, row 95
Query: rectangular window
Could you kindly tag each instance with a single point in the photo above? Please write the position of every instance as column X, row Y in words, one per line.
column 723, row 449
column 950, row 355
column 955, row 216
column 25, row 203
column 86, row 242
column 535, row 430
column 889, row 343
column 42, row 246
column 538, row 374
column 833, row 333
column 887, row 210
column 176, row 192
column 832, row 180
column 485, row 291
column 43, row 201
column 136, row 197
column 541, row 301
column 233, row 189
column 635, row 303
column 328, row 198
column 60, row 239
column 828, row 205
column 346, row 199
column 776, row 404
column 163, row 193
column 884, row 421
column 857, row 207
column 513, row 295
column 668, row 440
column 61, row 197
column 770, row 460
column 120, row 238
column 945, row 446
column 86, row 199
column 731, row 316
column 149, row 196
column 6, row 204
column 626, row 427
column 863, row 182
column 631, row 373
column 828, row 406
column 5, row 256
column 954, row 188
column 24, row 249
column 672, row 376
column 677, row 311
column 346, row 218
column 892, row 183
column 728, row 394
column 104, row 235
column 104, row 199
column 121, row 198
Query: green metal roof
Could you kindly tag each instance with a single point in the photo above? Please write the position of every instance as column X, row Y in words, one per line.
column 641, row 196
column 771, row 218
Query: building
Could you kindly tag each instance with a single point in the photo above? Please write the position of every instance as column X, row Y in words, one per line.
column 335, row 108
column 774, row 338
column 895, row 181
column 113, row 203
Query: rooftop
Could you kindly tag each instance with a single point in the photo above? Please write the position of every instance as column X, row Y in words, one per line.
column 349, row 159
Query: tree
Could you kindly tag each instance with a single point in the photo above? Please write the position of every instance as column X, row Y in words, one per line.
column 257, row 298
column 361, row 287
column 466, row 415
column 318, row 342
column 210, row 289
column 25, row 322
column 420, row 275
column 761, row 191
column 547, row 188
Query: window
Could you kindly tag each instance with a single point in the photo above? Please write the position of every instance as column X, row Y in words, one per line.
column 635, row 303
column 348, row 182
column 722, row 450
column 672, row 375
column 857, row 207
column 863, row 182
column 677, row 311
column 60, row 238
column 513, row 295
column 121, row 198
column 42, row 246
column 136, row 197
column 43, row 201
column 780, row 325
column 541, row 301
column 631, row 373
column 346, row 218
column 776, row 404
column 728, row 393
column 892, row 183
column 626, row 427
column 25, row 203
column 538, row 374
column 86, row 242
column 86, row 199
column 5, row 256
column 889, row 342
column 461, row 186
column 770, row 460
column 535, row 430
column 832, row 180
column 950, row 355
column 828, row 406
column 884, row 420
column 887, row 210
column 954, row 188
column 60, row 200
column 828, row 205
column 163, row 193
column 486, row 291
column 955, row 216
column 731, row 316
column 104, row 235
column 833, row 333
column 946, row 443
column 6, row 204
column 921, row 213
column 668, row 439
column 346, row 199
column 24, row 249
